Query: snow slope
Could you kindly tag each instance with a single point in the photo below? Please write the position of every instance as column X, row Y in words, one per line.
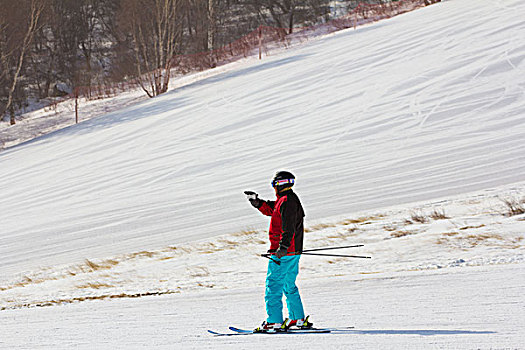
column 472, row 230
column 424, row 105
column 414, row 311
column 420, row 115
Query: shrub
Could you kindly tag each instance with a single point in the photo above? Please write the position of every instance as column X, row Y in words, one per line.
column 513, row 206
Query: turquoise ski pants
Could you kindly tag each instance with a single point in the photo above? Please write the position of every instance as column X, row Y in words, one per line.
column 279, row 279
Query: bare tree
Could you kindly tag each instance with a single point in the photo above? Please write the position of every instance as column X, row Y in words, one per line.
column 211, row 24
column 155, row 29
column 22, row 18
column 286, row 13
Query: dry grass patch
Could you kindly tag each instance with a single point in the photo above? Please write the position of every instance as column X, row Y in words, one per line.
column 442, row 240
column 351, row 230
column 473, row 240
column 471, row 227
column 172, row 249
column 166, row 258
column 86, row 298
column 198, row 271
column 318, row 227
column 438, row 214
column 338, row 234
column 365, row 220
column 362, row 219
column 142, row 254
column 418, row 216
column 390, row 228
column 450, row 234
column 477, row 239
column 402, row 233
column 513, row 206
column 211, row 285
column 90, row 266
column 94, row 285
column 26, row 280
column 227, row 242
column 245, row 233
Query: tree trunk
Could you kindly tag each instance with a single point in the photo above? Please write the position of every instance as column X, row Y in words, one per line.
column 12, row 114
column 36, row 11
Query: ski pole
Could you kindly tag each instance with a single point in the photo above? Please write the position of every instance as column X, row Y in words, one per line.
column 267, row 256
column 329, row 248
column 339, row 255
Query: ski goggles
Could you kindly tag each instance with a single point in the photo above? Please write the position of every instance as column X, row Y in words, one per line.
column 282, row 182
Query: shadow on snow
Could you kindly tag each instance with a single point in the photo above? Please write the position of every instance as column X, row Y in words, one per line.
column 414, row 332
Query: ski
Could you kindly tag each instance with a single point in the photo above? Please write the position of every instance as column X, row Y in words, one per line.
column 237, row 331
column 294, row 330
column 219, row 334
column 288, row 331
column 240, row 331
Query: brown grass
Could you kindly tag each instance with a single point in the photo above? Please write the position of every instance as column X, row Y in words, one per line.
column 227, row 242
column 474, row 239
column 166, row 258
column 365, row 220
column 442, row 241
column 471, row 227
column 362, row 219
column 318, row 227
column 402, row 233
column 513, row 206
column 353, row 221
column 417, row 216
column 205, row 285
column 338, row 234
column 438, row 214
column 90, row 266
column 142, row 254
column 94, row 285
column 26, row 280
column 198, row 271
column 390, row 228
column 245, row 233
column 450, row 234
column 86, row 298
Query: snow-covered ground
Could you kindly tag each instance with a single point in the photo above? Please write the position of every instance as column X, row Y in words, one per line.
column 466, row 308
column 131, row 230
column 59, row 115
column 473, row 230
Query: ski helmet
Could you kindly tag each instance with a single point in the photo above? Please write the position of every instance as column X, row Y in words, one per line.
column 282, row 180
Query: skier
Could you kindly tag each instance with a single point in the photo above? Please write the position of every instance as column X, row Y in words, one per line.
column 286, row 244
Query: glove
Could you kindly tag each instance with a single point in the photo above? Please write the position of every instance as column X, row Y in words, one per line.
column 282, row 251
column 254, row 199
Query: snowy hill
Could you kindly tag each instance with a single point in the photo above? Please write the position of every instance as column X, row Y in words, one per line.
column 385, row 115
column 422, row 111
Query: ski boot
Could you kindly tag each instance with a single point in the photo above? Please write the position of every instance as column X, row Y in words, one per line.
column 303, row 323
column 270, row 328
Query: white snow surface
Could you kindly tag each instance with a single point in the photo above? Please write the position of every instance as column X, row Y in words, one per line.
column 131, row 230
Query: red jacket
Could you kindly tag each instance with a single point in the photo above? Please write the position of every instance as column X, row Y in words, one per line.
column 286, row 224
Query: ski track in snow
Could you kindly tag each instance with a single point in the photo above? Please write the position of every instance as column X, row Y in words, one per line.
column 469, row 231
column 421, row 112
column 476, row 308
column 384, row 115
